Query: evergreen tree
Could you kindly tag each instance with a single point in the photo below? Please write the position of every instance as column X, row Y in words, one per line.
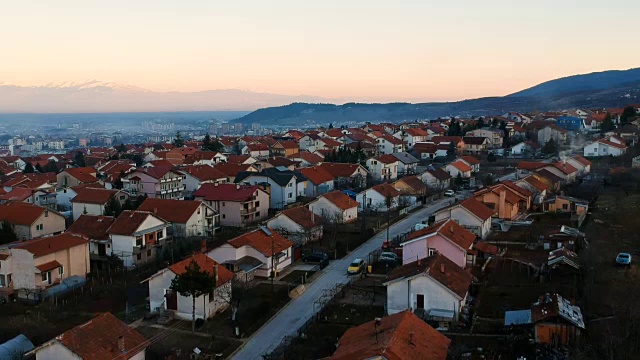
column 28, row 169
column 550, row 147
column 178, row 141
column 479, row 123
column 451, row 151
column 112, row 208
column 194, row 282
column 458, row 180
column 491, row 157
column 607, row 124
column 627, row 113
column 78, row 159
column 51, row 167
column 122, row 148
column 330, row 125
column 39, row 169
column 7, row 234
column 505, row 132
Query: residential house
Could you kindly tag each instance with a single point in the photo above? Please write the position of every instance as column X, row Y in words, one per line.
column 155, row 182
column 553, row 181
column 95, row 229
column 256, row 151
column 187, row 218
column 335, row 206
column 135, row 237
column 347, row 175
column 434, row 284
column 282, row 182
column 75, row 176
column 104, row 337
column 476, row 145
column 508, row 202
column 305, row 158
column 445, row 237
column 412, row 136
column 31, row 221
column 163, row 298
column 538, row 189
column 29, row 269
column 284, row 148
column 494, row 136
column 525, row 168
column 94, row 201
column 460, row 168
column 471, row 214
column 430, row 151
column 436, row 178
column 459, row 141
column 566, row 204
column 231, row 170
column 237, row 205
column 603, row 147
column 551, row 131
column 320, row 181
column 264, row 247
column 562, row 169
column 581, row 164
column 570, row 123
column 298, row 224
column 196, row 175
column 64, row 195
column 395, row 337
column 407, row 163
column 383, row 167
column 387, row 144
column 382, row 197
column 411, row 189
column 525, row 148
column 472, row 161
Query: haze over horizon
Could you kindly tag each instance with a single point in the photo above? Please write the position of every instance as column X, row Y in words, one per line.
column 405, row 51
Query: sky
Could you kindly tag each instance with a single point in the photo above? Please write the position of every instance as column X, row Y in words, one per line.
column 379, row 50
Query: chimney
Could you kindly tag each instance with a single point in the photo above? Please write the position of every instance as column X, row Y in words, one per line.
column 121, row 344
column 501, row 205
column 442, row 268
column 155, row 210
column 237, row 186
column 215, row 184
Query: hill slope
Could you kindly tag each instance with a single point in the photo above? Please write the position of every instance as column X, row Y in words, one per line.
column 605, row 89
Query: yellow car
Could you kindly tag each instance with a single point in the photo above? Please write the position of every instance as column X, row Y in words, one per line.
column 357, row 266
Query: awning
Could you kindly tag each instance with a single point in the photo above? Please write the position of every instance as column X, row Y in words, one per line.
column 246, row 263
column 49, row 266
column 441, row 314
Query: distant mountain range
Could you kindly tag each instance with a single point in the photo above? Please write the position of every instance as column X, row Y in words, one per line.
column 98, row 96
column 596, row 90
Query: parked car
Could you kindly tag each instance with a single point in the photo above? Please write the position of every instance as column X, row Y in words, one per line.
column 356, row 267
column 389, row 258
column 450, row 193
column 316, row 257
column 623, row 259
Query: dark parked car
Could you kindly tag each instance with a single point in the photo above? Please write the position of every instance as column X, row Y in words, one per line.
column 317, row 257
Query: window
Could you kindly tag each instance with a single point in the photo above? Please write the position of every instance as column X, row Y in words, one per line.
column 290, row 195
column 39, row 227
column 122, row 197
column 432, row 251
column 46, row 213
column 46, row 276
column 159, row 235
column 61, row 270
column 565, row 206
column 257, row 213
column 257, row 203
column 138, row 240
column 149, row 253
column 139, row 257
column 223, row 204
column 290, row 185
column 224, row 216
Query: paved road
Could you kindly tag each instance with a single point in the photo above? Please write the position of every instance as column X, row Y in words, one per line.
column 298, row 311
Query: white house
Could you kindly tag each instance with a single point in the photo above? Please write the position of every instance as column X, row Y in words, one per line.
column 298, row 224
column 471, row 214
column 335, row 206
column 375, row 198
column 433, row 283
column 161, row 297
column 383, row 167
column 93, row 201
column 319, row 181
column 270, row 251
column 282, row 182
column 387, row 144
column 436, row 178
column 603, row 147
column 412, row 136
column 407, row 163
column 135, row 236
column 196, row 175
column 459, row 167
column 187, row 218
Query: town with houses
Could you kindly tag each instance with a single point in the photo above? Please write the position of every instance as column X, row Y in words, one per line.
column 450, row 238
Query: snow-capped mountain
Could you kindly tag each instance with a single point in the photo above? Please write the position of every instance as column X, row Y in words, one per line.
column 105, row 96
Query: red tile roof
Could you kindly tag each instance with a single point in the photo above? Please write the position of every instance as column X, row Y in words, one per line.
column 20, row 213
column 416, row 132
column 287, row 144
column 239, row 159
column 530, row 165
column 471, row 160
column 612, row 144
column 386, row 159
column 487, row 248
column 477, row 208
column 17, row 194
column 414, row 183
column 341, row 200
column 399, row 336
column 453, row 277
column 311, row 158
column 205, row 263
column 516, row 188
column 329, row 142
column 533, row 181
column 83, row 174
column 259, row 240
column 386, row 190
column 48, row 266
column 303, row 217
column 204, row 172
column 232, row 169
column 226, row 192
column 281, row 161
column 340, row 169
column 92, row 227
column 257, row 147
column 463, row 167
column 98, row 339
column 582, row 160
column 316, row 175
column 565, row 167
column 453, row 139
column 391, row 139
column 171, row 210
column 94, row 196
column 128, row 222
column 51, row 244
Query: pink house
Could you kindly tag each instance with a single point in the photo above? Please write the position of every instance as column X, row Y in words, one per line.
column 445, row 237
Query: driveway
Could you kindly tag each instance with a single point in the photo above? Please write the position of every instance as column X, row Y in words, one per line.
column 300, row 310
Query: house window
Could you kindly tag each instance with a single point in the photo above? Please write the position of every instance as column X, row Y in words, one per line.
column 149, row 253
column 46, row 276
column 257, row 213
column 565, row 206
column 5, row 280
column 61, row 271
column 138, row 240
column 290, row 195
column 159, row 235
column 46, row 213
column 139, row 257
column 39, row 227
column 223, row 204
column 224, row 216
column 432, row 251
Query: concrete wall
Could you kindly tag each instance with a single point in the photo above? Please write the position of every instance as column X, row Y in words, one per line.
column 403, row 294
column 55, row 351
column 91, row 209
column 22, row 269
column 294, row 231
column 52, row 223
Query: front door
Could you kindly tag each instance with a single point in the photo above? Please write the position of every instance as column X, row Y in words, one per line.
column 102, row 250
column 420, row 301
column 172, row 300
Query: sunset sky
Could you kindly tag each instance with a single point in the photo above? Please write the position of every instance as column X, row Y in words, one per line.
column 379, row 50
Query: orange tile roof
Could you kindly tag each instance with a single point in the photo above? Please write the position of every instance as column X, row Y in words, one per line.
column 128, row 222
column 51, row 244
column 416, row 132
column 471, row 160
column 94, row 196
column 171, row 210
column 536, row 183
column 83, row 174
column 93, row 227
column 387, row 159
column 20, row 213
column 341, row 200
column 259, row 240
column 450, row 230
column 565, row 167
column 302, row 216
column 98, row 339
column 48, row 266
column 477, row 208
column 399, row 336
column 386, row 190
column 340, row 169
column 204, row 172
column 316, row 175
column 205, row 263
column 582, row 160
column 461, row 166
